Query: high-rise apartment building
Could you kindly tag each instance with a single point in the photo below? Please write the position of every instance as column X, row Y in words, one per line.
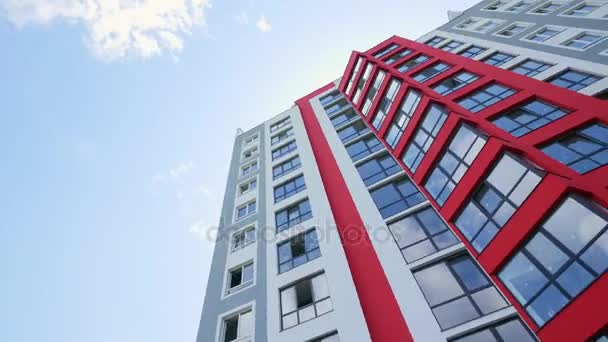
column 429, row 194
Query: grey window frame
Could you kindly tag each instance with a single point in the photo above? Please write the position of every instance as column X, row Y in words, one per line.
column 362, row 81
column 398, row 56
column 293, row 182
column 450, row 45
column 490, row 98
column 383, row 166
column 574, row 85
column 403, row 116
column 431, row 71
column 284, row 150
column 551, row 278
column 386, row 102
column 498, row 58
column 462, row 163
column 353, row 135
column 531, row 71
column 351, row 81
column 436, row 40
column 373, row 91
column 282, row 136
column 302, row 216
column 471, row 77
column 386, row 50
column 494, row 331
column 533, row 120
column 433, row 119
column 314, row 304
column 412, row 63
column 371, row 143
column 407, row 200
column 284, row 171
column 467, row 53
column 308, row 255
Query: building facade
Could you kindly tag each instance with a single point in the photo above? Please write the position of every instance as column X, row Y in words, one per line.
column 426, row 195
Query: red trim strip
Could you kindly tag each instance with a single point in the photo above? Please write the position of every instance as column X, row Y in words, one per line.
column 380, row 308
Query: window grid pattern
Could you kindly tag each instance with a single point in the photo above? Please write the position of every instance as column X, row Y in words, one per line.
column 520, row 6
column 330, row 97
column 583, row 150
column 435, row 41
column 385, row 103
column 503, row 331
column 398, row 56
column 425, row 135
column 289, row 188
column 458, row 291
column 305, row 300
column 344, row 117
column 336, row 107
column 421, row 234
column 430, row 72
column 281, row 136
column 286, row 167
column 456, row 160
column 377, row 169
column 495, row 200
column 513, row 30
column 562, row 258
column 243, row 238
column 245, row 210
column 284, row 150
column 412, row 63
column 498, row 58
column 373, row 92
column 531, row 68
column 582, row 10
column 396, row 196
column 574, row 80
column 451, row 46
column 547, row 8
column 583, row 41
column 403, row 116
column 472, row 51
column 363, row 148
column 280, row 124
column 362, row 81
column 293, row 215
column 455, row 82
column 352, row 131
column 386, row 51
column 351, row 82
column 485, row 97
column 544, row 34
column 529, row 117
column 298, row 251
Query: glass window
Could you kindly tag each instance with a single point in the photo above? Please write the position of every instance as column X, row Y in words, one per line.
column 496, row 5
column 430, row 72
column 531, row 67
column 488, row 26
column 335, row 107
column 566, row 254
column 458, row 291
column 353, row 76
column 399, row 55
column 249, row 185
column 245, row 210
column 286, row 167
column 352, row 131
column 574, row 80
column 453, row 83
column 422, row 233
column 330, row 97
column 385, row 103
column 251, row 139
column 472, row 51
column 544, row 34
column 485, row 97
column 283, row 150
column 403, row 116
column 329, row 338
column 425, row 135
column 412, row 63
column 498, row 58
column 512, row 330
column 240, row 277
column 583, row 150
column 582, row 10
column 386, row 50
column 250, row 152
column 496, row 199
column 529, row 117
column 548, row 7
column 293, row 215
column 513, row 30
column 305, row 300
column 377, row 169
column 243, row 238
column 372, row 92
column 249, row 168
column 298, row 251
column 363, row 148
column 468, row 23
column 362, row 81
column 435, row 41
column 454, row 163
column 583, row 40
column 281, row 136
column 280, row 124
column 396, row 196
column 344, row 117
column 452, row 45
column 520, row 6
column 238, row 327
column 289, row 188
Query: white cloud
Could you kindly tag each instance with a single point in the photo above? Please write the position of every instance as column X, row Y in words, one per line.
column 176, row 172
column 204, row 231
column 117, row 28
column 242, row 18
column 263, row 25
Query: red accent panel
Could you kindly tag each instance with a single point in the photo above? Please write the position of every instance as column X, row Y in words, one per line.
column 380, row 308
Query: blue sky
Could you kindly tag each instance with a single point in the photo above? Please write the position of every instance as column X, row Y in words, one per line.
column 117, row 127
